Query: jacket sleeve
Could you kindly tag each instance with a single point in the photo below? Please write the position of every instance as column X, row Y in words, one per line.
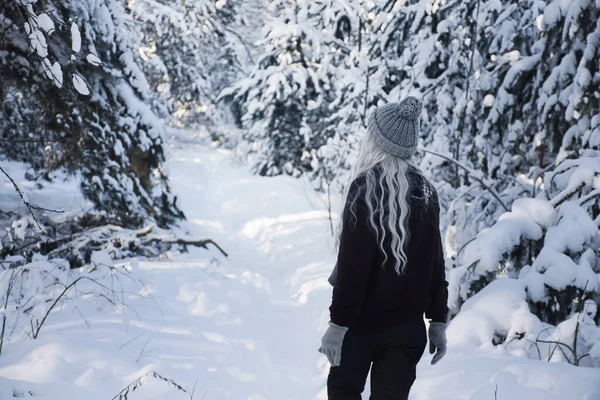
column 357, row 252
column 438, row 310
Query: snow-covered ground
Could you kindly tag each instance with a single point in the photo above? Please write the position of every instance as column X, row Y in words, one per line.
column 247, row 326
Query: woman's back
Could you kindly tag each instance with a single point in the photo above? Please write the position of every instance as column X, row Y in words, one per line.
column 390, row 267
column 391, row 298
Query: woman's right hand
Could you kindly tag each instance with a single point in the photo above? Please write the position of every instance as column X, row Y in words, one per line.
column 437, row 341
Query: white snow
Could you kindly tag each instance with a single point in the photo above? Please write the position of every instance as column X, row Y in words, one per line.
column 557, row 270
column 45, row 22
column 53, row 71
column 488, row 100
column 500, row 307
column 75, row 38
column 527, row 219
column 92, row 59
column 37, row 41
column 552, row 14
column 248, row 326
column 444, row 26
column 101, row 258
column 80, row 85
column 20, row 227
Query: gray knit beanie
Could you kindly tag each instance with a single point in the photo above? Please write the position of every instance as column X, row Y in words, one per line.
column 395, row 127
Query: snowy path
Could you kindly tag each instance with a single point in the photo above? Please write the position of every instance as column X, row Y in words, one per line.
column 244, row 327
column 251, row 310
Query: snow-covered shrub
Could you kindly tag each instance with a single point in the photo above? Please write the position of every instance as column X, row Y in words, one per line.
column 548, row 246
column 526, row 104
column 500, row 315
column 30, row 292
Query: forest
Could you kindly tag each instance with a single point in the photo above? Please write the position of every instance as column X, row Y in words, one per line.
column 173, row 170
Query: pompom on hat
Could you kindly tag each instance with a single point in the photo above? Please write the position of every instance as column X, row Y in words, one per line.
column 395, row 127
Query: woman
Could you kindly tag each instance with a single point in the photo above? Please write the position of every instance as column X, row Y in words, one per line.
column 390, row 267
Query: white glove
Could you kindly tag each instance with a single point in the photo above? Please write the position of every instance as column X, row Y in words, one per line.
column 331, row 344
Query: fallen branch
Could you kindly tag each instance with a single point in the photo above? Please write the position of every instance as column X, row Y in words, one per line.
column 145, row 231
column 197, row 243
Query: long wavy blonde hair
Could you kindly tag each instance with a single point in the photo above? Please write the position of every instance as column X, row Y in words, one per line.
column 385, row 189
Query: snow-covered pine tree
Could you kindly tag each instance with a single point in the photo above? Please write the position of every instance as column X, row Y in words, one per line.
column 543, row 103
column 73, row 98
column 192, row 50
column 362, row 80
column 284, row 103
column 547, row 99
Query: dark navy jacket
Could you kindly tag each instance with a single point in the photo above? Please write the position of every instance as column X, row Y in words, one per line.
column 368, row 294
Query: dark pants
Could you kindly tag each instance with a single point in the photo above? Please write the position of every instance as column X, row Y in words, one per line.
column 392, row 357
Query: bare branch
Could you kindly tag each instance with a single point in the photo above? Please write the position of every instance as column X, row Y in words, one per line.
column 472, row 175
column 29, row 206
column 197, row 243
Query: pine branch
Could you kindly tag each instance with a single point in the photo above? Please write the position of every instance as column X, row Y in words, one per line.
column 591, row 195
column 566, row 195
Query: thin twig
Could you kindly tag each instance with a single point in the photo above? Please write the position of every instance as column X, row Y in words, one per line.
column 194, row 389
column 39, row 325
column 11, row 282
column 481, row 182
column 131, row 340
column 143, row 353
column 29, row 206
column 463, row 114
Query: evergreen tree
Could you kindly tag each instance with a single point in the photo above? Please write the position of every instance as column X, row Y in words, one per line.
column 193, row 50
column 284, row 103
column 98, row 125
column 552, row 99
